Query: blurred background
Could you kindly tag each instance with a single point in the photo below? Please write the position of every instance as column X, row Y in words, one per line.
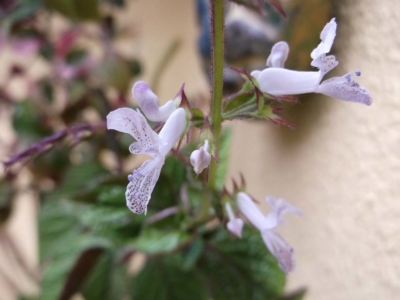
column 341, row 165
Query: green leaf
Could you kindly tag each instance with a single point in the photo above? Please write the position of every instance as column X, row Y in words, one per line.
column 106, row 281
column 192, row 254
column 152, row 240
column 240, row 268
column 79, row 176
column 222, row 170
column 163, row 279
column 27, row 121
column 63, row 237
column 76, row 276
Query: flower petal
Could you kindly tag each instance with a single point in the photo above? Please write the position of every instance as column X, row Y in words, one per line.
column 278, row 56
column 279, row 81
column 279, row 207
column 252, row 213
column 325, row 63
column 280, row 249
column 345, row 88
column 141, row 185
column 132, row 122
column 235, row 226
column 255, row 73
column 327, row 36
column 172, row 130
column 149, row 103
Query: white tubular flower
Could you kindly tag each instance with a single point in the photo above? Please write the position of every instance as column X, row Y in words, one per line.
column 143, row 179
column 201, row 158
column 149, row 103
column 278, row 81
column 265, row 224
column 234, row 225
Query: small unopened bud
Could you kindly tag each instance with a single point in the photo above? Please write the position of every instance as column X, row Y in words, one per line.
column 201, row 158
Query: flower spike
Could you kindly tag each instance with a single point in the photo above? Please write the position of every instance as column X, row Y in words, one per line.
column 201, row 158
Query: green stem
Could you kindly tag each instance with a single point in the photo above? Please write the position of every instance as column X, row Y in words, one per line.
column 217, row 60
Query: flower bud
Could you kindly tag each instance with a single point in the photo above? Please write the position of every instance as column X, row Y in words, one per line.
column 201, row 158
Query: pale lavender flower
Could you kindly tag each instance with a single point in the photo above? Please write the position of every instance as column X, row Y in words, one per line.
column 143, row 179
column 265, row 224
column 278, row 81
column 234, row 225
column 149, row 103
column 201, row 158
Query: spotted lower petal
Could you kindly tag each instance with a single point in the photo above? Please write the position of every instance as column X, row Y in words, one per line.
column 280, row 249
column 141, row 185
column 132, row 122
column 345, row 88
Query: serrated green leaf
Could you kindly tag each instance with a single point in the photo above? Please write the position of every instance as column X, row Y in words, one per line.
column 152, row 240
column 106, row 281
column 162, row 279
column 63, row 237
column 79, row 176
column 240, row 268
column 192, row 254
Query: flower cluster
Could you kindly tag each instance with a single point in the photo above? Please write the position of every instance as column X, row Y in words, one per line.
column 274, row 80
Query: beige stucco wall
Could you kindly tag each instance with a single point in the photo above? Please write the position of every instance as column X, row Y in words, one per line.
column 340, row 166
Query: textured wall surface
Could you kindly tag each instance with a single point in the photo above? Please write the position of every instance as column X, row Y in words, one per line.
column 341, row 166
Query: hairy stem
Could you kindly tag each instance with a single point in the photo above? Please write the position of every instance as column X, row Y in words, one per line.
column 217, row 61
